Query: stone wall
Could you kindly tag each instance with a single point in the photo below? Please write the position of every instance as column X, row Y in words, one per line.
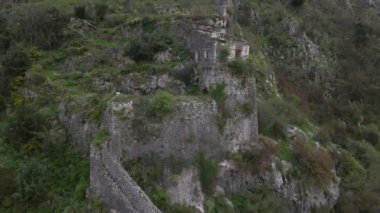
column 111, row 182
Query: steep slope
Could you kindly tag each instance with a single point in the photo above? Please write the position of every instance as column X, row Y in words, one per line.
column 190, row 106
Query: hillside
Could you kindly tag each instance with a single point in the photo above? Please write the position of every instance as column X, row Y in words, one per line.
column 215, row 106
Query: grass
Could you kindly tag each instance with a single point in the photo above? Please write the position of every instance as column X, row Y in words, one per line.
column 63, row 192
column 101, row 137
column 208, row 171
column 218, row 92
column 247, row 108
column 151, row 68
column 160, row 104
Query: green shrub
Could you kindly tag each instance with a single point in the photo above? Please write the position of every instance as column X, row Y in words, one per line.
column 218, row 204
column 260, row 198
column 143, row 47
column 160, row 104
column 247, row 108
column 7, row 182
column 4, row 43
column 257, row 162
column 224, row 52
column 80, row 12
column 371, row 134
column 240, row 67
column 364, row 152
column 317, row 163
column 278, row 111
column 101, row 10
column 16, row 62
column 193, row 90
column 353, row 174
column 40, row 25
column 139, row 49
column 160, row 198
column 25, row 125
column 208, row 171
column 3, row 104
column 101, row 137
column 31, row 181
column 218, row 92
column 297, row 3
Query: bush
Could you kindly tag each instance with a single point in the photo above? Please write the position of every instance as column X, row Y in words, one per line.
column 316, row 162
column 239, row 67
column 139, row 49
column 101, row 137
column 25, row 125
column 101, row 10
column 352, row 172
column 3, row 104
column 160, row 104
column 16, row 62
column 277, row 111
column 257, row 161
column 208, row 171
column 40, row 26
column 371, row 134
column 218, row 92
column 160, row 198
column 80, row 12
column 247, row 108
column 143, row 47
column 7, row 184
column 297, row 3
column 31, row 181
column 261, row 198
column 224, row 52
column 4, row 43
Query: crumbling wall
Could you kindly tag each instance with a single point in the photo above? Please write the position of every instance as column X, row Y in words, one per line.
column 111, row 182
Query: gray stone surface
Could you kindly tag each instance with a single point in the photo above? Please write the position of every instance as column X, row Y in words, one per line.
column 111, row 182
column 80, row 130
column 187, row 189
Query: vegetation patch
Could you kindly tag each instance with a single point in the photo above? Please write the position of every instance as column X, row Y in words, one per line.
column 247, row 108
column 148, row 174
column 160, row 104
column 208, row 171
column 259, row 199
column 218, row 92
column 224, row 52
column 101, row 137
column 240, row 67
column 259, row 161
column 317, row 163
column 277, row 111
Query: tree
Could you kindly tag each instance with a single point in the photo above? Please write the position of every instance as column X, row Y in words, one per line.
column 25, row 125
column 16, row 62
column 31, row 180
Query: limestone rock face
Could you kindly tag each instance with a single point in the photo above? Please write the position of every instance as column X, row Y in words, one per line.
column 162, row 57
column 80, row 130
column 316, row 66
column 187, row 190
column 303, row 199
